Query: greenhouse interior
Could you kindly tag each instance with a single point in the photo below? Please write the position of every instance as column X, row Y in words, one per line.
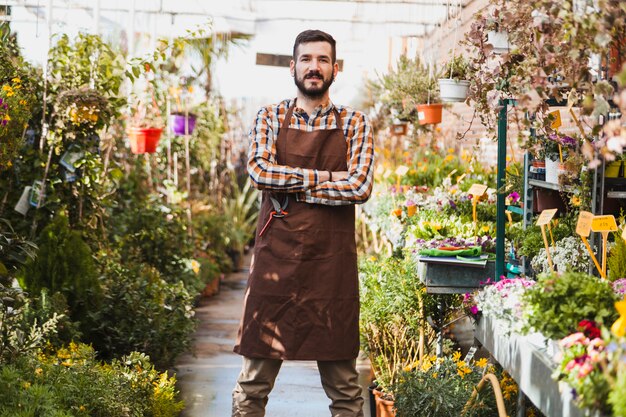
column 304, row 208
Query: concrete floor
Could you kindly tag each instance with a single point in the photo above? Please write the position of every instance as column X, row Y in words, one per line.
column 207, row 376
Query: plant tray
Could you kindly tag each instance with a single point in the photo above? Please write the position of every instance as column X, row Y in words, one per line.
column 453, row 277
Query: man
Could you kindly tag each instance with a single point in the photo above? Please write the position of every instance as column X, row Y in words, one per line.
column 313, row 161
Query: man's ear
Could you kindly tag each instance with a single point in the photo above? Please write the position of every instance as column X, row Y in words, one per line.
column 335, row 70
column 292, row 68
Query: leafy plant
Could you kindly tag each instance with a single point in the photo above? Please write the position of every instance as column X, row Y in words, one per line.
column 616, row 260
column 393, row 316
column 14, row 251
column 442, row 386
column 241, row 213
column 71, row 382
column 456, row 68
column 557, row 303
column 64, row 264
column 141, row 312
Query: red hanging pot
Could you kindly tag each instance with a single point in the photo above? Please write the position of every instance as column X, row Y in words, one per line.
column 144, row 140
column 429, row 114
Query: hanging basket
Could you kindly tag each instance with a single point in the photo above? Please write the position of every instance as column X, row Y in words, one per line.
column 429, row 114
column 452, row 91
column 144, row 140
column 500, row 42
column 177, row 123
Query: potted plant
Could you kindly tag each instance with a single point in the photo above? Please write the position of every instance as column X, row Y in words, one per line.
column 182, row 123
column 453, row 84
column 146, row 125
column 404, row 90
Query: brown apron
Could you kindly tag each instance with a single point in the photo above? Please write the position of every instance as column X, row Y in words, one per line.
column 302, row 300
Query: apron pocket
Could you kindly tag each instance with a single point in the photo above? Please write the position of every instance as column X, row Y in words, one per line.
column 300, row 245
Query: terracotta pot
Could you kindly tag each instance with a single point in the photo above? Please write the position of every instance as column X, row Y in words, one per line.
column 384, row 408
column 429, row 114
column 144, row 140
column 539, row 164
column 371, row 389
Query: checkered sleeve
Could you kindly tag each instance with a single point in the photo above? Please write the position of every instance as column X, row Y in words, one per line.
column 264, row 172
column 358, row 186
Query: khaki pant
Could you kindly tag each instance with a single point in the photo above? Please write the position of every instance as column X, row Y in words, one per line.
column 256, row 380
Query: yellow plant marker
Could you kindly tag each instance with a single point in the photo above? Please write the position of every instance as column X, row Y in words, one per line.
column 556, row 123
column 460, row 178
column 551, row 236
column 401, row 172
column 604, row 225
column 583, row 228
column 508, row 215
column 544, row 218
column 477, row 191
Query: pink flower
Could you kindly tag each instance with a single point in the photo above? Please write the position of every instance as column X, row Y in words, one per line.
column 585, row 369
column 573, row 339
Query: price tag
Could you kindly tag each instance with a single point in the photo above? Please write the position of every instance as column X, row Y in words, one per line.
column 387, row 173
column 604, row 224
column 477, row 190
column 402, row 170
column 583, row 227
column 546, row 216
column 379, row 170
column 556, row 123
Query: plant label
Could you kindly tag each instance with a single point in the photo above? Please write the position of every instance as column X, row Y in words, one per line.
column 477, row 190
column 604, row 223
column 583, row 227
column 387, row 173
column 556, row 123
column 23, row 205
column 545, row 217
column 402, row 170
column 379, row 170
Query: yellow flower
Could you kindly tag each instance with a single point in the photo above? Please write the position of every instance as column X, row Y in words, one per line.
column 435, row 374
column 23, row 102
column 450, row 150
column 437, row 226
column 66, row 364
column 449, row 158
column 7, row 117
column 575, row 201
column 485, row 229
column 482, row 362
column 82, row 408
column 38, row 371
column 456, row 356
column 372, row 258
column 25, row 385
column 7, row 87
column 195, row 266
column 16, row 80
column 619, row 327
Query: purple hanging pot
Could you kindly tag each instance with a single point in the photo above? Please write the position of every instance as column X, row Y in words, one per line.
column 177, row 123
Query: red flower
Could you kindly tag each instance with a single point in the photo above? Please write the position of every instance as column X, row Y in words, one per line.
column 589, row 328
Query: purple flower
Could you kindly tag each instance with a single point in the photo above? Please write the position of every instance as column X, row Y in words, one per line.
column 619, row 286
column 514, row 196
column 474, row 309
column 4, row 123
column 1, row 101
column 452, row 204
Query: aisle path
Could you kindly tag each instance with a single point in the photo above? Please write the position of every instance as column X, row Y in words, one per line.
column 207, row 378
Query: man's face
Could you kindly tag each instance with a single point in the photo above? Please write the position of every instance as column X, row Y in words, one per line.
column 313, row 69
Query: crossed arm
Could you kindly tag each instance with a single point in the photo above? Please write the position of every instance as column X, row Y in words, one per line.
column 311, row 185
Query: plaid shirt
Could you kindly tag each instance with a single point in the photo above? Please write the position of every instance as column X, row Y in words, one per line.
column 267, row 175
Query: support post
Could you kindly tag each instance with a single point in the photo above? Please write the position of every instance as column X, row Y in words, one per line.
column 501, row 177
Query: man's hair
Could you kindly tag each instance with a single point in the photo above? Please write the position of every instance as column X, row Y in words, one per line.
column 315, row 36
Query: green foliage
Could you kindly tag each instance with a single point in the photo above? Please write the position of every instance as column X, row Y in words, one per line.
column 392, row 316
column 141, row 312
column 71, row 382
column 457, row 69
column 442, row 386
column 17, row 99
column 401, row 90
column 241, row 212
column 20, row 336
column 212, row 238
column 617, row 396
column 532, row 241
column 556, row 304
column 64, row 264
column 616, row 260
column 14, row 251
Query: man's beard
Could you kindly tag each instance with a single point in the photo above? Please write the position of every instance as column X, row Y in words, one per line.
column 315, row 92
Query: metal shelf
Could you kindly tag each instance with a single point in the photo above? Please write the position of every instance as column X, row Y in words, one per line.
column 616, row 194
column 550, row 186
